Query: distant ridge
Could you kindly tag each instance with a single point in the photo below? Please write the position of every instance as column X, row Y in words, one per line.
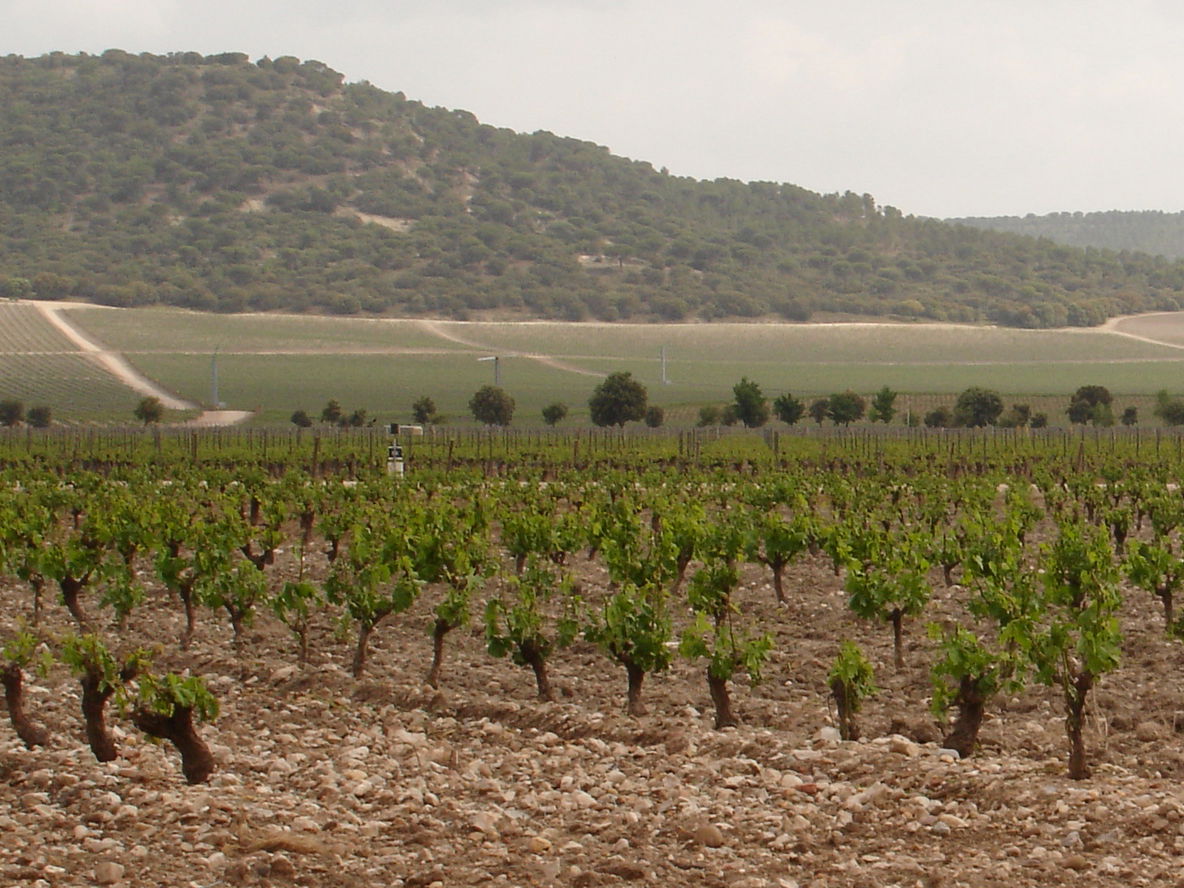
column 1145, row 231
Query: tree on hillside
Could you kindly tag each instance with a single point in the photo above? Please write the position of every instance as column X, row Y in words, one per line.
column 788, row 409
column 301, row 419
column 708, row 416
column 553, row 414
column 492, row 406
column 1091, row 404
column 40, row 417
column 423, row 411
column 977, row 407
column 820, row 410
column 618, row 400
column 846, row 407
column 883, row 406
column 12, row 412
column 1130, row 416
column 1169, row 409
column 752, row 408
column 1017, row 416
column 939, row 418
column 332, row 412
column 149, row 410
column 654, row 416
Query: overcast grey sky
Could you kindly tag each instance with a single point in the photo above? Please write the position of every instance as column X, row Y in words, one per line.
column 938, row 107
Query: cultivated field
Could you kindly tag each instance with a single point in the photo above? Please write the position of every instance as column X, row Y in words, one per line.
column 40, row 366
column 280, row 363
column 326, row 774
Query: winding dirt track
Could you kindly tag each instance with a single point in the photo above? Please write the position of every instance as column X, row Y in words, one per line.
column 1111, row 326
column 439, row 329
column 115, row 364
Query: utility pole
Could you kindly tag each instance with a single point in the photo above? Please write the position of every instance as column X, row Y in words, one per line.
column 497, row 368
column 214, row 379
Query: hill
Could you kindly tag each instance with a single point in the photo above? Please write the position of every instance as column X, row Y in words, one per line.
column 217, row 183
column 1153, row 232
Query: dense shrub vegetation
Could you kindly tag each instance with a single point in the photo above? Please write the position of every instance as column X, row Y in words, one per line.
column 218, row 183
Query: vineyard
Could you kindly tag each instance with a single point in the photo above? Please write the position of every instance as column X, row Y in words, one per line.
column 584, row 659
column 281, row 363
column 39, row 365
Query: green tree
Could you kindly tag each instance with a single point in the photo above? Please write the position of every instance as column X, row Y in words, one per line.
column 12, row 412
column 492, row 406
column 1130, row 416
column 1016, row 417
column 846, row 407
column 939, row 418
column 149, row 410
column 820, row 410
column 709, row 415
column 977, row 407
column 788, row 409
column 423, row 411
column 752, row 408
column 1091, row 404
column 618, row 400
column 553, row 414
column 1169, row 409
column 654, row 416
column 332, row 412
column 883, row 406
column 301, row 420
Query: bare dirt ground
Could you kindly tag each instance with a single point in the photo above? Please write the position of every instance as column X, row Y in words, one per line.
column 327, row 781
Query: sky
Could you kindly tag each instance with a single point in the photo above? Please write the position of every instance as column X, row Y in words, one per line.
column 937, row 107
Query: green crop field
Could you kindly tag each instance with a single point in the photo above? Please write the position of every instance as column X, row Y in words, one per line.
column 279, row 363
column 39, row 365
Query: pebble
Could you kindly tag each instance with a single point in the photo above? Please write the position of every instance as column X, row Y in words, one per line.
column 904, row 746
column 1148, row 731
column 108, row 873
column 708, row 835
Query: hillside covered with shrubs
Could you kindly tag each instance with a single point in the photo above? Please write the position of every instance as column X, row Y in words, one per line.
column 224, row 184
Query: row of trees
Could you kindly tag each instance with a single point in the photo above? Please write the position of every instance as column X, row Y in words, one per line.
column 617, row 400
column 13, row 413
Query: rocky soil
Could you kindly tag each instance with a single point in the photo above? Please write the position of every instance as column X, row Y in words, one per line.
column 327, row 781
